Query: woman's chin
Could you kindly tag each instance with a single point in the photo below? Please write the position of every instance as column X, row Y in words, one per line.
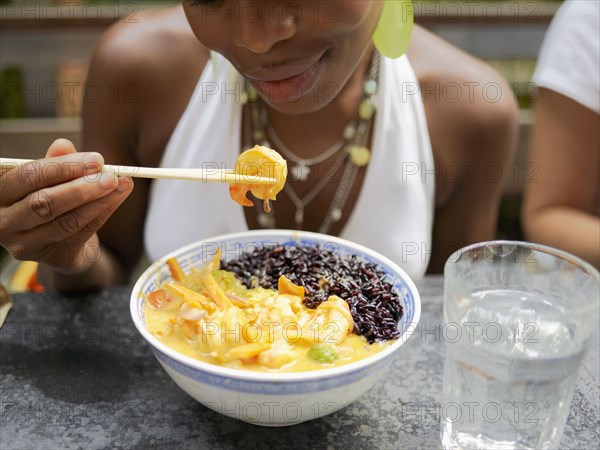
column 314, row 100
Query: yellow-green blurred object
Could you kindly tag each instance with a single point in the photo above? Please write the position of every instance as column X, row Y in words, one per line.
column 12, row 102
column 394, row 29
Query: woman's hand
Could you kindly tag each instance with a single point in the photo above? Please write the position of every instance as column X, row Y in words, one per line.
column 50, row 209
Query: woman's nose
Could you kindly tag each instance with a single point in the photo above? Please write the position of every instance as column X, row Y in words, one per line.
column 262, row 25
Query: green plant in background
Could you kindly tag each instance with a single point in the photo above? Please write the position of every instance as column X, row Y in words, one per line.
column 519, row 74
column 12, row 101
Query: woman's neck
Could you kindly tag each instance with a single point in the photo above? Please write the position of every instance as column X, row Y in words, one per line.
column 307, row 135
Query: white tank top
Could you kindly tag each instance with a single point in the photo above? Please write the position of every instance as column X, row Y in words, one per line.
column 393, row 214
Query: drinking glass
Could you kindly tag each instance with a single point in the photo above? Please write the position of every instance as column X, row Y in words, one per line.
column 519, row 318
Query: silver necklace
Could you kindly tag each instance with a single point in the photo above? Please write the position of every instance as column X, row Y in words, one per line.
column 355, row 155
column 301, row 169
column 301, row 203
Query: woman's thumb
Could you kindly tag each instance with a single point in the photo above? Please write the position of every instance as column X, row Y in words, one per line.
column 60, row 147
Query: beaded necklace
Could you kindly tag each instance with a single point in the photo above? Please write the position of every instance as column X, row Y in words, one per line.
column 355, row 153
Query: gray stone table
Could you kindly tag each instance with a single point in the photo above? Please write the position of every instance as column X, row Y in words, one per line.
column 74, row 373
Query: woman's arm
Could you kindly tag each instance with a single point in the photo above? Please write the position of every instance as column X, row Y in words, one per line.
column 473, row 125
column 480, row 148
column 561, row 205
column 469, row 214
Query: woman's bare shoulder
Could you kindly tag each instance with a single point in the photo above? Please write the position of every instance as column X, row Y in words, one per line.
column 435, row 60
column 470, row 108
column 149, row 67
column 458, row 89
column 157, row 40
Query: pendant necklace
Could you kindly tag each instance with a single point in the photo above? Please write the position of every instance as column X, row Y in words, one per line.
column 355, row 153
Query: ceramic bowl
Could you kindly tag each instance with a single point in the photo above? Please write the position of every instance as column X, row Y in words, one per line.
column 273, row 399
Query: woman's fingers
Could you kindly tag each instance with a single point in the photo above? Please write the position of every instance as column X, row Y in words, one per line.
column 60, row 242
column 47, row 204
column 51, row 208
column 73, row 254
column 60, row 147
column 22, row 180
column 86, row 254
column 87, row 218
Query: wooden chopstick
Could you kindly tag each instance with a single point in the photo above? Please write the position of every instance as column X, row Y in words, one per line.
column 204, row 175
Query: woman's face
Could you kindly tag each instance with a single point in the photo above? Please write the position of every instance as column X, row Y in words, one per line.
column 298, row 54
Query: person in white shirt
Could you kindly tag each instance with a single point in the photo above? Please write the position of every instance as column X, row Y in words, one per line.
column 561, row 204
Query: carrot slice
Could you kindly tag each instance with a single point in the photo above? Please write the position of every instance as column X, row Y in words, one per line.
column 192, row 298
column 216, row 261
column 212, row 287
column 214, row 290
column 176, row 270
column 34, row 284
column 158, row 298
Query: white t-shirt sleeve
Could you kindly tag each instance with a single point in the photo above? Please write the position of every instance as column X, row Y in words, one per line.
column 569, row 60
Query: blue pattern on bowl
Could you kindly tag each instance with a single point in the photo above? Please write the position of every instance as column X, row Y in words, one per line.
column 270, row 387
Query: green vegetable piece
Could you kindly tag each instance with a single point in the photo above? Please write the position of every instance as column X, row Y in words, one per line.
column 323, row 353
column 228, row 282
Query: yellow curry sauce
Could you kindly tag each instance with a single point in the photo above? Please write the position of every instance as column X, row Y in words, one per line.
column 211, row 316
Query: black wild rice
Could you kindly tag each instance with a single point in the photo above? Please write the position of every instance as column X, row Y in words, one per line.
column 374, row 305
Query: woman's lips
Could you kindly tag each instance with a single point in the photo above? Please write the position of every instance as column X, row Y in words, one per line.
column 278, row 87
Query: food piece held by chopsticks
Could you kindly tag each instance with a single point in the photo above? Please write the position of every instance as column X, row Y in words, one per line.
column 260, row 162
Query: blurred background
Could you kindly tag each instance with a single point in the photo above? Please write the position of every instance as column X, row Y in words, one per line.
column 45, row 47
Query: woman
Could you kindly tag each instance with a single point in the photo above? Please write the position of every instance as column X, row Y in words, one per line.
column 309, row 64
column 562, row 204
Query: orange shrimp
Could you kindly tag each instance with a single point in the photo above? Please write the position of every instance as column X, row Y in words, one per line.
column 260, row 162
